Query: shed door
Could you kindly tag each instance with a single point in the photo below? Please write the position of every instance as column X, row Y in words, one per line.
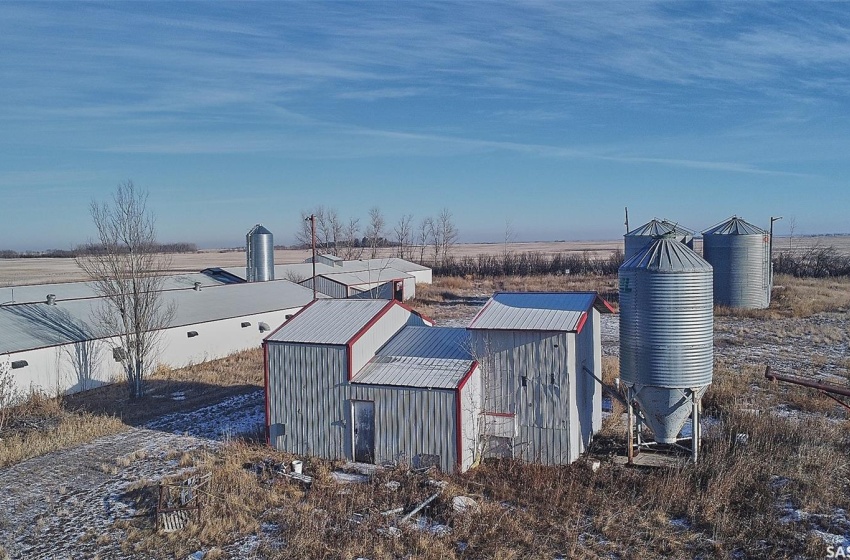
column 364, row 431
column 398, row 292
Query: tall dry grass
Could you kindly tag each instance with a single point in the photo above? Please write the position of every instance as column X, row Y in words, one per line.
column 731, row 504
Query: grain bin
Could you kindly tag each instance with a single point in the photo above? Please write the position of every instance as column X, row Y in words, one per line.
column 666, row 334
column 740, row 255
column 260, row 258
column 644, row 235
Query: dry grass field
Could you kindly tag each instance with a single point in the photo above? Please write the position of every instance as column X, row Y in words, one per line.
column 772, row 482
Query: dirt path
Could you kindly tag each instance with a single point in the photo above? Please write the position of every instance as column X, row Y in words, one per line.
column 64, row 504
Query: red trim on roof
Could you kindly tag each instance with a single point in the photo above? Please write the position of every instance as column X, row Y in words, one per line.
column 581, row 322
column 602, row 305
column 417, row 313
column 268, row 405
column 459, row 414
column 300, row 311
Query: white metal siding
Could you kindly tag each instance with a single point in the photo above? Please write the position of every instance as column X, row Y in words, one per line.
column 471, row 420
column 543, row 409
column 364, row 348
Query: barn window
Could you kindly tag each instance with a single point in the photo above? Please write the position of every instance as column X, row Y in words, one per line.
column 288, row 317
column 263, row 327
column 245, row 324
column 192, row 334
column 524, row 381
column 18, row 364
column 119, row 354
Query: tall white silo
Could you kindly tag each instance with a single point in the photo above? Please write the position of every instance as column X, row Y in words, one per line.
column 260, row 254
column 666, row 335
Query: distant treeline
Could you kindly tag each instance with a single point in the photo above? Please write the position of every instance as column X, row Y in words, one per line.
column 817, row 262
column 529, row 264
column 91, row 249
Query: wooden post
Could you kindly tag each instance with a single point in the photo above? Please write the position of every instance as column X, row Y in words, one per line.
column 631, row 426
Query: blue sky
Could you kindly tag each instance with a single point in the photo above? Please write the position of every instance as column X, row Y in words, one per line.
column 552, row 115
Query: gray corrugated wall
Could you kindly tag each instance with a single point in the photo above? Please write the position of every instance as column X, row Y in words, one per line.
column 304, row 381
column 409, row 422
column 310, row 409
column 542, row 409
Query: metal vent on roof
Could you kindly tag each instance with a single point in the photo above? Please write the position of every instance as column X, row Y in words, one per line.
column 264, row 327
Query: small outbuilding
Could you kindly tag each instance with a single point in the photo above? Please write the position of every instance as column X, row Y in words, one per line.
column 372, row 381
column 541, row 361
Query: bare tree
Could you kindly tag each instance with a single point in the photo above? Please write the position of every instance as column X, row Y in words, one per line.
column 448, row 233
column 336, row 230
column 304, row 233
column 404, row 234
column 126, row 272
column 423, row 235
column 375, row 230
column 352, row 249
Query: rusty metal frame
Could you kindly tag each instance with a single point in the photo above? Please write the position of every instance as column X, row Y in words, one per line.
column 166, row 497
column 826, row 389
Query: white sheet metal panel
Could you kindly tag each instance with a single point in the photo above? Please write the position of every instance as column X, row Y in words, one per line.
column 35, row 325
column 390, row 322
column 545, row 411
column 471, row 420
column 429, row 357
column 549, row 311
column 367, row 279
column 330, row 321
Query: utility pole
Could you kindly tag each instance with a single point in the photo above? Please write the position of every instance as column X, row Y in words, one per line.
column 627, row 219
column 312, row 219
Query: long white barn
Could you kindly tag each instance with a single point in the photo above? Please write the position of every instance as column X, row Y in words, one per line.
column 58, row 348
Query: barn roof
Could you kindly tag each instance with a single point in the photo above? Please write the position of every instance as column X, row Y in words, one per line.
column 428, row 357
column 37, row 293
column 330, row 321
column 36, row 325
column 303, row 271
column 366, row 277
column 538, row 311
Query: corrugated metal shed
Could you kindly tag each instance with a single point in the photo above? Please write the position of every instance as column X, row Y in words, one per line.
column 330, row 321
column 537, row 311
column 428, row 357
column 37, row 293
column 36, row 325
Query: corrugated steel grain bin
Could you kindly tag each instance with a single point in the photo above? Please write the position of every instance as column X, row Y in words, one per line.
column 740, row 255
column 666, row 331
column 641, row 237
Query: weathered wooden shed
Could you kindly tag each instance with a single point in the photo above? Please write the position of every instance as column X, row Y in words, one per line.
column 541, row 361
column 372, row 381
